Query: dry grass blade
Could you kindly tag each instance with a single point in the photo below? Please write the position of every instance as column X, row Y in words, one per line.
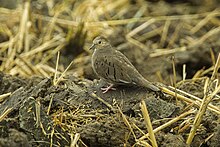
column 38, row 115
column 23, row 26
column 196, row 99
column 51, row 137
column 4, row 96
column 202, row 39
column 25, row 66
column 174, row 75
column 202, row 72
column 103, row 101
column 162, row 52
column 183, row 98
column 74, row 140
column 10, row 54
column 5, row 113
column 125, row 21
column 136, row 30
column 47, row 45
column 138, row 14
column 206, row 100
column 57, row 63
column 168, row 123
column 49, row 107
column 216, row 68
column 126, row 122
column 148, row 123
column 51, row 54
column 165, row 32
column 184, row 72
column 175, row 35
column 199, row 116
column 63, row 74
column 203, row 22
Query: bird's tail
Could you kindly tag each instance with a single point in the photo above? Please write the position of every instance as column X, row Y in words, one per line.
column 147, row 84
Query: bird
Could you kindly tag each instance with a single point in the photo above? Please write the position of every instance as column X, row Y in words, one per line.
column 114, row 67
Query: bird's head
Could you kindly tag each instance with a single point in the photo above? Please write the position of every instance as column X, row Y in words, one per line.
column 100, row 42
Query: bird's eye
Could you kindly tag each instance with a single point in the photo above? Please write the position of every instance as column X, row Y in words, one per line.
column 99, row 42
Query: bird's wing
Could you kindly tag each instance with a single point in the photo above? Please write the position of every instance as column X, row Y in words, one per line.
column 127, row 73
column 116, row 68
column 121, row 57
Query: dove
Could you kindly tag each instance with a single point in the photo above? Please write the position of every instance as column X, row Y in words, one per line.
column 114, row 67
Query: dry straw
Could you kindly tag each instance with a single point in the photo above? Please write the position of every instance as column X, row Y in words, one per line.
column 148, row 123
column 206, row 100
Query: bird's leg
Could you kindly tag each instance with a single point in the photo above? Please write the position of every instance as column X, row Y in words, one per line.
column 106, row 89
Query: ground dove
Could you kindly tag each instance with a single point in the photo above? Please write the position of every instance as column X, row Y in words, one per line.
column 114, row 67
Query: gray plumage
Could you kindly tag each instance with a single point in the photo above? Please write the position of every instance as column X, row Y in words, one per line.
column 114, row 67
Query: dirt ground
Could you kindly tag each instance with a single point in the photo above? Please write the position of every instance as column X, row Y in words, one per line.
column 40, row 106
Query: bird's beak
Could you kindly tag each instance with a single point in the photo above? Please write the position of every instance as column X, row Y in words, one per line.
column 92, row 47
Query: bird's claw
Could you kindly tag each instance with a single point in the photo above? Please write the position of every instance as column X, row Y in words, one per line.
column 106, row 89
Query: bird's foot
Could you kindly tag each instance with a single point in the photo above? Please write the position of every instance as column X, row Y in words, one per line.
column 106, row 89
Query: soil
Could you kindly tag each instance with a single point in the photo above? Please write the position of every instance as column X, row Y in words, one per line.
column 74, row 103
column 41, row 113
